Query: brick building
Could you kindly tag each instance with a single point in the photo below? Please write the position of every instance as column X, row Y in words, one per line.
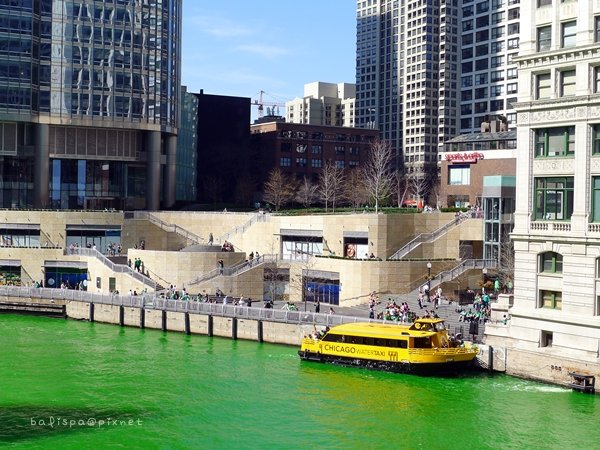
column 468, row 159
column 300, row 149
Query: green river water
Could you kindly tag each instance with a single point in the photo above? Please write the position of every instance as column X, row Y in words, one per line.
column 72, row 385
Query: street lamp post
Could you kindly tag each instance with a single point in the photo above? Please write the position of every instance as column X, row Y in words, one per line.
column 428, row 279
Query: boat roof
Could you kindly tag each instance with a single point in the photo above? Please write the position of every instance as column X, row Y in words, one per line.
column 382, row 329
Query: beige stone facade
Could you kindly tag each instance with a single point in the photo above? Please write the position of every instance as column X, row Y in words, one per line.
column 167, row 264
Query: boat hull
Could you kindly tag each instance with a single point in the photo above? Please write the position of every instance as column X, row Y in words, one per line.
column 417, row 368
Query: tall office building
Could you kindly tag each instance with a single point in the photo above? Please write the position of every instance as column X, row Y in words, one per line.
column 406, row 55
column 489, row 41
column 428, row 70
column 89, row 103
column 554, row 319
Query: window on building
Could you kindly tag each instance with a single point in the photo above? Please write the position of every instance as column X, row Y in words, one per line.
column 300, row 162
column 597, row 29
column 340, row 149
column 317, row 149
column 514, row 13
column 496, row 105
column 459, row 175
column 595, row 199
column 543, row 88
column 555, row 142
column 568, row 34
column 496, row 91
column 567, row 83
column 497, row 61
column 551, row 300
column 339, row 164
column 285, row 162
column 544, row 38
column 511, row 73
column 544, row 3
column 546, row 339
column 512, row 88
column 480, row 78
column 596, row 80
column 497, row 75
column 596, row 139
column 551, row 262
column 483, row 7
column 317, row 163
column 514, row 28
column 497, row 47
column 482, row 50
column 497, row 32
column 513, row 43
column 286, row 147
column 553, row 198
column 466, row 81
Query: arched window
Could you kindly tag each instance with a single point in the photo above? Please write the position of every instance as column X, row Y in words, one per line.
column 551, row 262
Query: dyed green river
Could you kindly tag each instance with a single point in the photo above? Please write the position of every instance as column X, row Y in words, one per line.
column 72, row 385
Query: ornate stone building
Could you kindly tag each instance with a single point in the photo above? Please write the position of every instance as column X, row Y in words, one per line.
column 554, row 321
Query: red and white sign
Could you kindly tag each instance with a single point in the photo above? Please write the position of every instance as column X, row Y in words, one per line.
column 458, row 157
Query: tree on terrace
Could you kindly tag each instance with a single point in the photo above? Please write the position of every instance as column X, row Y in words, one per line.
column 279, row 189
column 377, row 172
column 354, row 189
column 331, row 182
column 307, row 192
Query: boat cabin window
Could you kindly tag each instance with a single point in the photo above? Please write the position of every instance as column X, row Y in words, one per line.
column 331, row 337
column 360, row 340
column 422, row 342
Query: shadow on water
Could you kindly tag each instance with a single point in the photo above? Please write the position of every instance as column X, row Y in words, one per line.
column 25, row 422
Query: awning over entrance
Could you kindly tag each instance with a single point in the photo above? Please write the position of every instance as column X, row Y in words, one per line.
column 10, row 263
column 356, row 234
column 66, row 264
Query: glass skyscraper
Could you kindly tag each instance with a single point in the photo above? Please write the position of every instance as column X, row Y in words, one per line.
column 89, row 103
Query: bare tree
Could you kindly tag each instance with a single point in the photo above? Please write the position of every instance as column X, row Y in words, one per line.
column 330, row 184
column 401, row 186
column 354, row 189
column 420, row 187
column 506, row 260
column 377, row 172
column 279, row 189
column 436, row 192
column 307, row 192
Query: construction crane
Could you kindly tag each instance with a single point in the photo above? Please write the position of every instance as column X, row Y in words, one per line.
column 261, row 105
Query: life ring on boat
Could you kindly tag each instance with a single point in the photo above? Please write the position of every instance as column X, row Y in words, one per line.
column 444, row 342
column 418, row 326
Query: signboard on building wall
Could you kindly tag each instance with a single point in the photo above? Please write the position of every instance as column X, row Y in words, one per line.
column 462, row 158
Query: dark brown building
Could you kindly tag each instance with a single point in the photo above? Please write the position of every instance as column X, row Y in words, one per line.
column 300, row 149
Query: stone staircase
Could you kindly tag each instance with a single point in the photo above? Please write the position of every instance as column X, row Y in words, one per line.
column 430, row 237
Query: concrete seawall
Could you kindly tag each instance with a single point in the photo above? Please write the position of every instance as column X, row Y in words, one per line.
column 229, row 327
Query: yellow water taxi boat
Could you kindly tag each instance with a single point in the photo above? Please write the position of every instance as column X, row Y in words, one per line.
column 423, row 347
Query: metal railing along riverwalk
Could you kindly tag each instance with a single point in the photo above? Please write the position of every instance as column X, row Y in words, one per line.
column 118, row 268
column 149, row 301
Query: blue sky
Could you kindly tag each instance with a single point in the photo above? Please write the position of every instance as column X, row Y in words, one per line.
column 240, row 47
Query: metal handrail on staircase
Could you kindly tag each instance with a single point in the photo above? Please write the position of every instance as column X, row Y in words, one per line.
column 168, row 227
column 117, row 268
column 430, row 237
column 236, row 269
column 455, row 272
